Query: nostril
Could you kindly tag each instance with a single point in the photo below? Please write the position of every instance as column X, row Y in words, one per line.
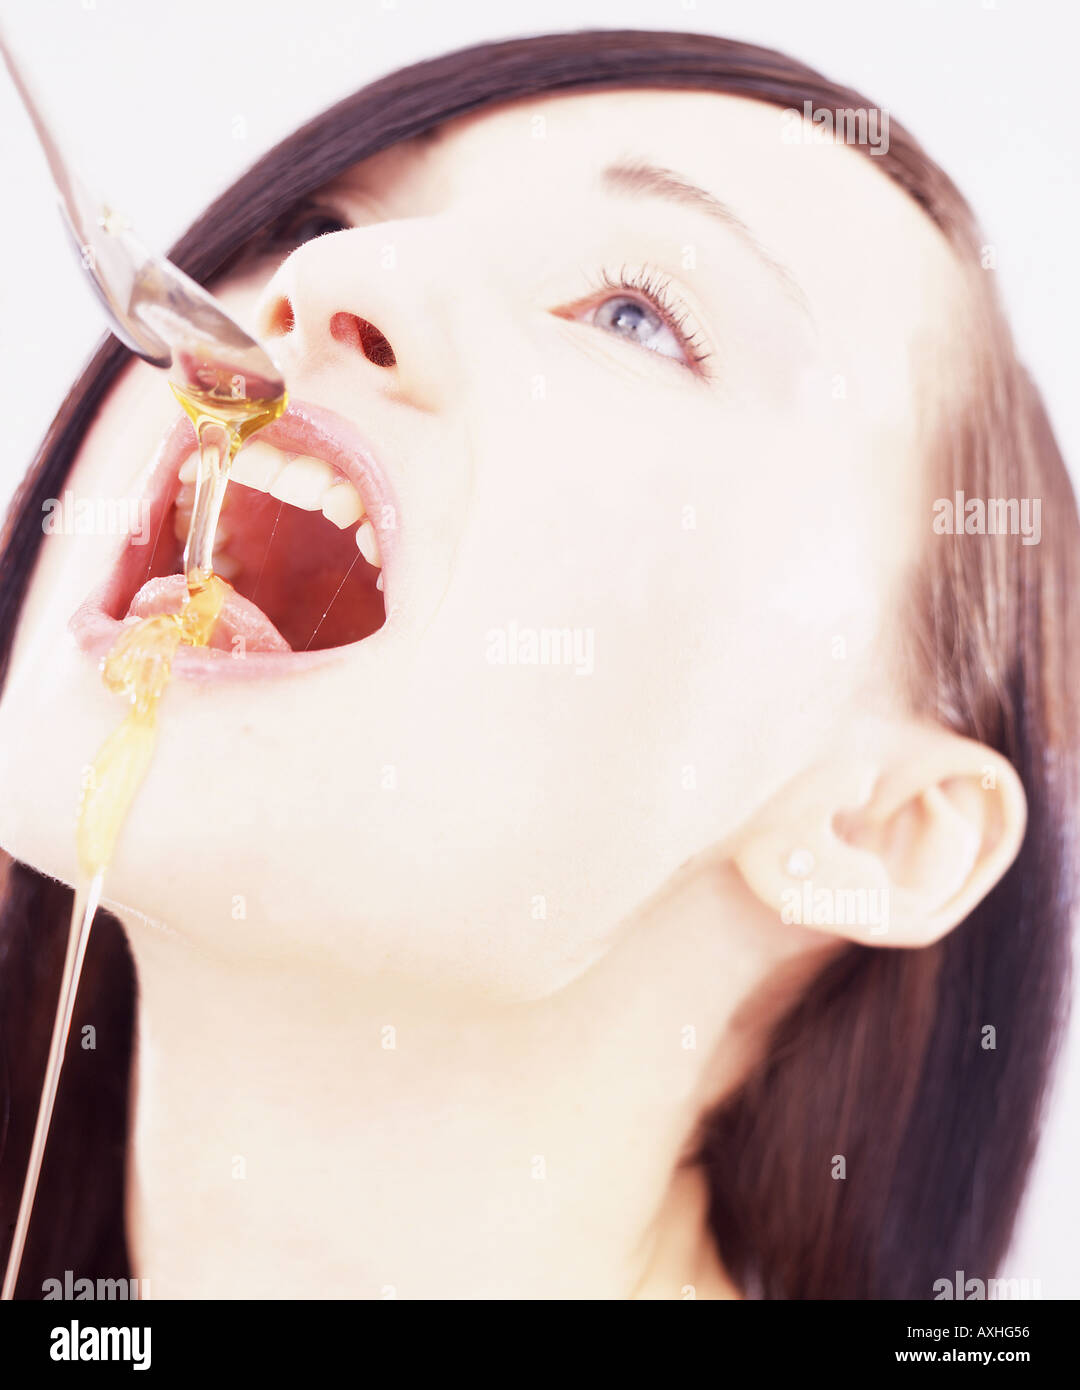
column 358, row 333
column 280, row 318
column 376, row 348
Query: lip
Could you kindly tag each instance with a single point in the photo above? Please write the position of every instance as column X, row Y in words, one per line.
column 303, row 428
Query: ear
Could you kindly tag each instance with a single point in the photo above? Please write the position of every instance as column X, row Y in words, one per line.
column 890, row 842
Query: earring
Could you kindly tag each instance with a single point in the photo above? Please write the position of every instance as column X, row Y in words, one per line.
column 800, row 863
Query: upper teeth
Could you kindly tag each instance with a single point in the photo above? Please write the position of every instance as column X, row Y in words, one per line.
column 342, row 504
column 304, row 482
column 365, row 539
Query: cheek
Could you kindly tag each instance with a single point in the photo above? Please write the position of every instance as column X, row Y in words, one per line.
column 705, row 586
column 568, row 677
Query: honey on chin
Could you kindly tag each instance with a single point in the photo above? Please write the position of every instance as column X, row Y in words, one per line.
column 140, row 663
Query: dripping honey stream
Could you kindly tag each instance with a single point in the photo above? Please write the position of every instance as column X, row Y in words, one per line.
column 138, row 668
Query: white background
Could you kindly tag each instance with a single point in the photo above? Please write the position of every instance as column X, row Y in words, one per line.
column 161, row 105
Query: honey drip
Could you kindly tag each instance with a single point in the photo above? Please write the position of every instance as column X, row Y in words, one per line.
column 140, row 663
column 139, row 667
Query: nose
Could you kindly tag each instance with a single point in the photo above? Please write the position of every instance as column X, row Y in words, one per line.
column 359, row 334
column 338, row 303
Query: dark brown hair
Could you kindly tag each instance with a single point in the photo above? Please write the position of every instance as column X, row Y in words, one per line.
column 882, row 1060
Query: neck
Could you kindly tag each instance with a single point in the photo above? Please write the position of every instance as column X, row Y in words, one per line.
column 308, row 1136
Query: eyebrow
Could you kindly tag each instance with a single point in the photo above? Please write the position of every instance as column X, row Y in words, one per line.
column 637, row 178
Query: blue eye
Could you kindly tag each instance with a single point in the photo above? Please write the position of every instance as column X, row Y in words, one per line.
column 629, row 318
column 640, row 307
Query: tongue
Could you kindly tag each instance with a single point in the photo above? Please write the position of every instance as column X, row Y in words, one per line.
column 238, row 617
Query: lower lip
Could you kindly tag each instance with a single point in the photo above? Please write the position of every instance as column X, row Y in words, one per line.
column 96, row 631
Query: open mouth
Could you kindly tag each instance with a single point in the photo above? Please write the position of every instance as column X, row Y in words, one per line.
column 306, row 528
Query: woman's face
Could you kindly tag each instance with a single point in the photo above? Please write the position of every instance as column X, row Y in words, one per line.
column 651, row 430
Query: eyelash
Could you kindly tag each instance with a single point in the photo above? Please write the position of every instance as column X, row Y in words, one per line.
column 646, row 283
column 655, row 287
column 282, row 233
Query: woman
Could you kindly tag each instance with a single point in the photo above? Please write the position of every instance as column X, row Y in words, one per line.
column 659, row 887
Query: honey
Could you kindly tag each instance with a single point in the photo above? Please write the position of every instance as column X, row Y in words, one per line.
column 138, row 668
column 140, row 663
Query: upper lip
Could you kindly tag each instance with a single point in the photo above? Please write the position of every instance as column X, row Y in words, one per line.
column 303, row 428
